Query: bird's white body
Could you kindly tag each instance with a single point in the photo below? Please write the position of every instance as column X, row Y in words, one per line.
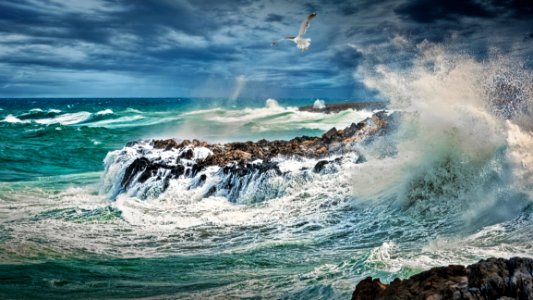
column 301, row 42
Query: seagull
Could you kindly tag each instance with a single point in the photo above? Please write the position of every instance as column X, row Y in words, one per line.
column 301, row 43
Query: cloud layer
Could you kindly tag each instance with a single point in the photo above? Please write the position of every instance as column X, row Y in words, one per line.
column 114, row 48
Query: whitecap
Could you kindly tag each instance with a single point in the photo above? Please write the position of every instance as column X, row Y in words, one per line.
column 13, row 119
column 133, row 110
column 116, row 123
column 272, row 104
column 66, row 119
column 105, row 112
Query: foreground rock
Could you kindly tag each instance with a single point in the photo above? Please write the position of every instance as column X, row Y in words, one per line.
column 254, row 171
column 488, row 279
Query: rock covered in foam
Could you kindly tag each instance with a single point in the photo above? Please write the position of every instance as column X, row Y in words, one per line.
column 145, row 168
column 494, row 278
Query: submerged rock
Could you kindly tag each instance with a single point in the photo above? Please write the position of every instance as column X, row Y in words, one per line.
column 145, row 168
column 494, row 278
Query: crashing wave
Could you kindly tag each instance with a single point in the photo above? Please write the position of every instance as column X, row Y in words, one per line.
column 242, row 172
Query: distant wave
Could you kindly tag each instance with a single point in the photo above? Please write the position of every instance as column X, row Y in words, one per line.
column 133, row 110
column 273, row 116
column 114, row 123
column 105, row 112
column 38, row 113
column 66, row 119
column 12, row 119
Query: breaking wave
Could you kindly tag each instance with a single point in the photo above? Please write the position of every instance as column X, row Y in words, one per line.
column 452, row 183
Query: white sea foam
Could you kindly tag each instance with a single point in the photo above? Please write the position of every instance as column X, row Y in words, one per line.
column 12, row 119
column 66, row 119
column 126, row 121
column 319, row 104
column 458, row 132
column 133, row 110
column 104, row 112
column 219, row 124
column 392, row 215
column 201, row 153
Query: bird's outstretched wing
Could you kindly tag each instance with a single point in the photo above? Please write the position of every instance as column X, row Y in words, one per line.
column 287, row 38
column 305, row 24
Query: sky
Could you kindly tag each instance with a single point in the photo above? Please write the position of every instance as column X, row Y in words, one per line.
column 215, row 48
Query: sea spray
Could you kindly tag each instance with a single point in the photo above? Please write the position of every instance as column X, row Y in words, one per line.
column 461, row 147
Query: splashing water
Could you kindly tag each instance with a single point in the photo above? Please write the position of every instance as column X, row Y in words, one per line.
column 452, row 184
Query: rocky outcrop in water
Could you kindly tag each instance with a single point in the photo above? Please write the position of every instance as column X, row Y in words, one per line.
column 337, row 107
column 145, row 168
column 494, row 278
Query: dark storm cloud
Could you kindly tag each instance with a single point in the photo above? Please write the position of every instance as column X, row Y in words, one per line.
column 347, row 58
column 427, row 11
column 274, row 18
column 173, row 47
column 515, row 8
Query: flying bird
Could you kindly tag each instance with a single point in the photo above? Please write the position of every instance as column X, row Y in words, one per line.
column 301, row 43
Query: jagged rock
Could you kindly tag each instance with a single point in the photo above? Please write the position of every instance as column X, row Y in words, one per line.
column 330, row 134
column 171, row 159
column 494, row 278
column 320, row 166
column 367, row 288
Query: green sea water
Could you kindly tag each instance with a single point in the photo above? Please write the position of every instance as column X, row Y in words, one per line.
column 392, row 216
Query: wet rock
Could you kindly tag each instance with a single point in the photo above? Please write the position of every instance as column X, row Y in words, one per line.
column 138, row 165
column 494, row 278
column 330, row 134
column 210, row 192
column 173, row 158
column 368, row 288
column 361, row 159
column 320, row 166
column 188, row 154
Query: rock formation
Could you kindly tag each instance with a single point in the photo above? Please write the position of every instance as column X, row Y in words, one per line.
column 146, row 167
column 337, row 107
column 494, row 278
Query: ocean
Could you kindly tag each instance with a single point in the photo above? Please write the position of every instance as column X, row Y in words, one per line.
column 452, row 184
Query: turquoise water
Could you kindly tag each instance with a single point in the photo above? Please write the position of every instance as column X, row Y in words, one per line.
column 414, row 204
column 86, row 129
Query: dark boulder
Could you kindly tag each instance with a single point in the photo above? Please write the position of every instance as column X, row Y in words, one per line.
column 320, row 166
column 494, row 278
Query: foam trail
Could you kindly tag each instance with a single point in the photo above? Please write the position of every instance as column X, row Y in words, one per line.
column 105, row 112
column 66, row 119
